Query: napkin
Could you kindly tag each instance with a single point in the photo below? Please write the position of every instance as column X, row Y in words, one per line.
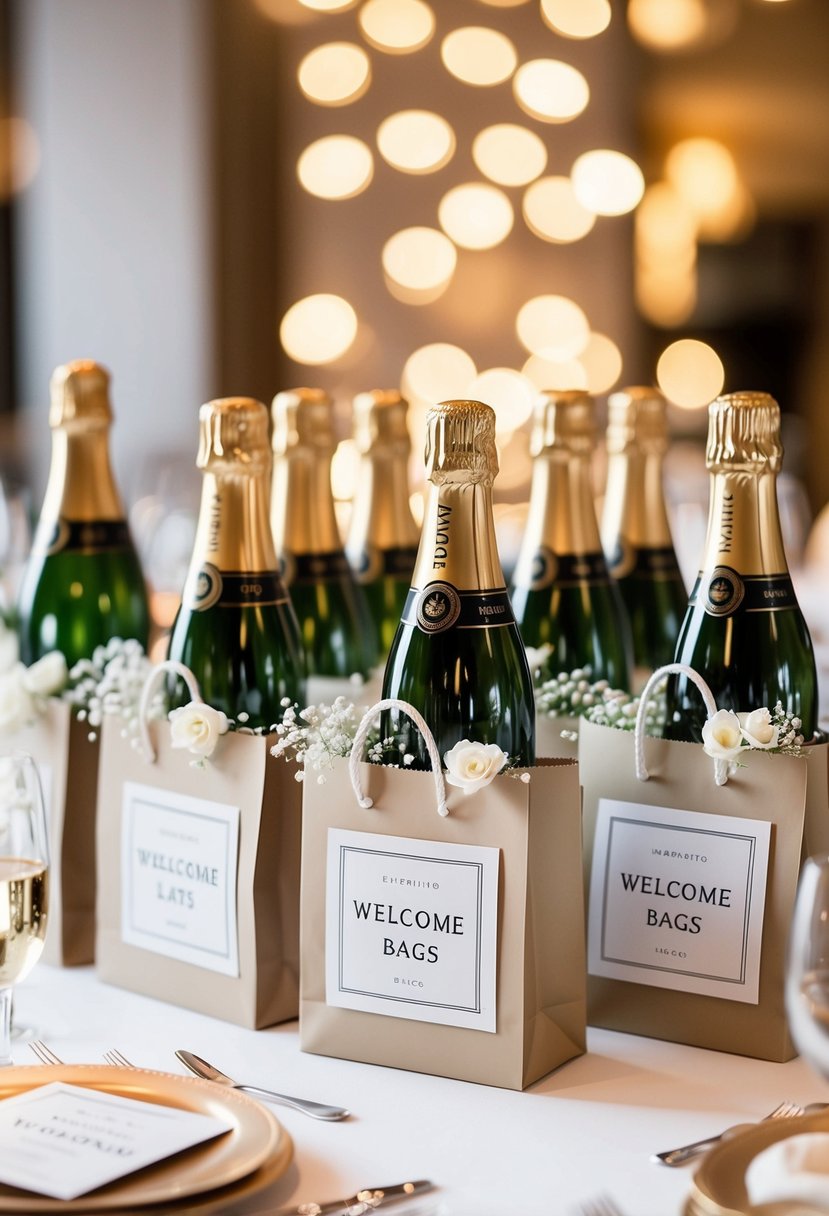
column 796, row 1168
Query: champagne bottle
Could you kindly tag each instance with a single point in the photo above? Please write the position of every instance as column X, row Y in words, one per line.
column 83, row 583
column 743, row 630
column 457, row 655
column 236, row 629
column 563, row 594
column 333, row 615
column 383, row 537
column 636, row 535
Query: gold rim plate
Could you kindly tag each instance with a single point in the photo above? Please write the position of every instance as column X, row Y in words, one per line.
column 256, row 1143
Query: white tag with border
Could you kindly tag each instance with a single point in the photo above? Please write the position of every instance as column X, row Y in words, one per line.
column 677, row 899
column 178, row 877
column 411, row 928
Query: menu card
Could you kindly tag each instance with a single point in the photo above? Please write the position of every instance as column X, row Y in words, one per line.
column 65, row 1140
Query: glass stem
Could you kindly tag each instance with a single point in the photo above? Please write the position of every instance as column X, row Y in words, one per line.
column 5, row 1026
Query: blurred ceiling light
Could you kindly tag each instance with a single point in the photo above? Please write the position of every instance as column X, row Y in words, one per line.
column 732, row 221
column 508, row 154
column 421, row 261
column 416, row 141
column 328, row 6
column 335, row 74
column 667, row 25
column 553, row 327
column 510, row 394
column 318, row 329
column 665, row 226
column 550, row 91
column 552, row 211
column 344, row 470
column 576, row 18
column 690, row 373
column 666, row 295
column 549, row 373
column 477, row 55
column 703, row 172
column 438, row 372
column 336, row 167
column 476, row 216
column 397, row 26
column 607, row 182
column 602, row 361
column 19, row 155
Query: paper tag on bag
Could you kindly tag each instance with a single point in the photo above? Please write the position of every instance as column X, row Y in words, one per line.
column 677, row 899
column 178, row 877
column 411, row 928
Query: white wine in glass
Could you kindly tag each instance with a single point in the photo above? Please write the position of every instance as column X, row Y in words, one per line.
column 24, row 880
column 807, row 966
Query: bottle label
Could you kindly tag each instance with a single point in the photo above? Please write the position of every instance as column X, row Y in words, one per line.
column 723, row 592
column 233, row 589
column 313, row 567
column 440, row 606
column 81, row 536
column 372, row 563
column 567, row 569
column 631, row 561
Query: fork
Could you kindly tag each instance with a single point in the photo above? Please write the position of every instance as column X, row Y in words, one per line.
column 686, row 1152
column 118, row 1058
column 44, row 1053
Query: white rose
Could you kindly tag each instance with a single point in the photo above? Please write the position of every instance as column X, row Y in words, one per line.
column 197, row 727
column 471, row 766
column 9, row 649
column 17, row 709
column 721, row 735
column 47, row 676
column 758, row 730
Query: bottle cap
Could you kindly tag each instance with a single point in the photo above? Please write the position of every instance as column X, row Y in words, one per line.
column 79, row 394
column 744, row 432
column 380, row 419
column 234, row 431
column 460, row 438
column 303, row 417
column 636, row 417
column 564, row 420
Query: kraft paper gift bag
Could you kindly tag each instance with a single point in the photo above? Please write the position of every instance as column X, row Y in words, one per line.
column 198, row 872
column 443, row 933
column 691, row 873
column 549, row 740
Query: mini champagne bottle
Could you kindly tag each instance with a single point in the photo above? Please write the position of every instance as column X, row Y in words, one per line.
column 563, row 595
column 236, row 629
column 457, row 655
column 743, row 629
column 635, row 532
column 83, row 583
column 333, row 615
column 383, row 537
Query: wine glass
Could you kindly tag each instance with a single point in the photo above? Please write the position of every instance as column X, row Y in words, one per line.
column 807, row 966
column 24, row 872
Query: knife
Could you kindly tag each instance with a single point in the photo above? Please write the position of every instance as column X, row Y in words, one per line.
column 317, row 1110
column 364, row 1201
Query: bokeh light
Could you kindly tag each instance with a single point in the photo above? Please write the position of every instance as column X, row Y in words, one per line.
column 703, row 172
column 555, row 374
column 509, row 154
column 318, row 329
column 504, row 3
column 335, row 74
column 550, row 91
column 552, row 211
column 510, row 394
column 416, row 141
column 397, row 26
column 345, row 468
column 421, row 262
column 690, row 373
column 577, row 18
column 336, row 167
column 19, row 155
column 477, row 55
column 602, row 361
column 665, row 226
column 607, row 182
column 438, row 372
column 328, row 6
column 476, row 216
column 667, row 25
column 553, row 327
column 666, row 295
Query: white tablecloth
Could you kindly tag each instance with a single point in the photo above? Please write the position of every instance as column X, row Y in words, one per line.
column 586, row 1129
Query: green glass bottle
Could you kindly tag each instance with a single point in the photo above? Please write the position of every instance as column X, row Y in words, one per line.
column 236, row 629
column 636, row 535
column 383, row 537
column 743, row 629
column 83, row 584
column 563, row 595
column 457, row 655
column 333, row 615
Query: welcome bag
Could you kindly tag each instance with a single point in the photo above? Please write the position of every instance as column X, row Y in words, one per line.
column 198, row 871
column 691, row 872
column 441, row 932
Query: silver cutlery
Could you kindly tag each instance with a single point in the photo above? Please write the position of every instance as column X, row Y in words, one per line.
column 602, row 1205
column 116, row 1057
column 687, row 1152
column 317, row 1110
column 368, row 1200
column 44, row 1053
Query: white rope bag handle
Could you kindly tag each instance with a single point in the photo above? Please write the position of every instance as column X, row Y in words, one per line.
column 672, row 669
column 356, row 756
column 147, row 693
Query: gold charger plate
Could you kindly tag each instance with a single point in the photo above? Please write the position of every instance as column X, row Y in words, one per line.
column 719, row 1183
column 255, row 1142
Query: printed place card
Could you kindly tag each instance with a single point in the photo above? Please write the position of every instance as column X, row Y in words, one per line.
column 65, row 1141
column 677, row 899
column 411, row 928
column 178, row 877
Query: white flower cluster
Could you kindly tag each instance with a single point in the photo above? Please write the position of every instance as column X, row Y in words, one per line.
column 110, row 683
column 573, row 695
column 619, row 709
column 314, row 736
column 24, row 691
column 726, row 734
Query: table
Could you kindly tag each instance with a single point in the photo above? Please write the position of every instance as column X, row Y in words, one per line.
column 585, row 1129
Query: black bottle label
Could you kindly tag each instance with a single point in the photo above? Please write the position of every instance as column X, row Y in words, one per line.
column 82, row 536
column 723, row 591
column 653, row 565
column 233, row 589
column 373, row 563
column 307, row 568
column 567, row 569
column 440, row 606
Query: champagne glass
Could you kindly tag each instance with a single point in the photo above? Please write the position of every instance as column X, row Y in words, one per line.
column 807, row 966
column 24, row 870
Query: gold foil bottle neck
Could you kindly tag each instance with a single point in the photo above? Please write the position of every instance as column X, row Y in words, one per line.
column 233, row 432
column 744, row 433
column 380, row 421
column 303, row 418
column 564, row 421
column 460, row 442
column 637, row 419
column 79, row 396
